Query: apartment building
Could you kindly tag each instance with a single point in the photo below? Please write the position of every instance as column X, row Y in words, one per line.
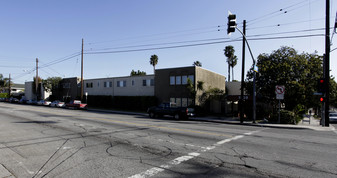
column 171, row 84
column 121, row 86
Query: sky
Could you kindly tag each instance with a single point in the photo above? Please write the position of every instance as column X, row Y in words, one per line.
column 121, row 35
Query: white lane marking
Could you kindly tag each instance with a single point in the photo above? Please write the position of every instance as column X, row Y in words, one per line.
column 155, row 170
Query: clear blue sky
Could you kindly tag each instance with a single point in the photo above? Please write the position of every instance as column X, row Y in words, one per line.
column 52, row 30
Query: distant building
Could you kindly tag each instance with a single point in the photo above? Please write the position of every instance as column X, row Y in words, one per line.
column 121, row 86
column 68, row 89
column 30, row 92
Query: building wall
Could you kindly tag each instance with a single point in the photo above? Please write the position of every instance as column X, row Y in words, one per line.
column 166, row 91
column 121, row 86
column 210, row 79
column 29, row 95
column 69, row 88
column 177, row 92
column 29, row 91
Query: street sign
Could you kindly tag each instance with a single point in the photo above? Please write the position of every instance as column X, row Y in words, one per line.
column 279, row 91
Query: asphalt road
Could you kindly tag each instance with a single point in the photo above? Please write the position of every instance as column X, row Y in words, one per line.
column 40, row 141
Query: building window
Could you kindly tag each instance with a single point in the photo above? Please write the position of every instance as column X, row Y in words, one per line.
column 178, row 102
column 172, row 100
column 152, row 82
column 120, row 83
column 178, row 80
column 148, row 82
column 66, row 85
column 110, row 84
column 97, row 84
column 191, row 77
column 105, row 85
column 172, row 80
column 184, row 102
column 184, row 79
column 133, row 83
column 89, row 85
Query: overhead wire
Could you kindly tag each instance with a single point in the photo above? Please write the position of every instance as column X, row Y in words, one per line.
column 201, row 44
column 281, row 11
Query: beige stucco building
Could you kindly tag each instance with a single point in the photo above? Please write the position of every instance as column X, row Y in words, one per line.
column 121, row 86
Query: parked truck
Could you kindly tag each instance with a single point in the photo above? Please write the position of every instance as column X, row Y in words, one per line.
column 170, row 109
column 76, row 104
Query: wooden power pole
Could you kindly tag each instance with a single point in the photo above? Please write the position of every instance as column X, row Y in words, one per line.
column 82, row 85
column 37, row 78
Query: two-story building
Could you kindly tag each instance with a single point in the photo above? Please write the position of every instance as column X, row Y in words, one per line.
column 171, row 84
column 121, row 86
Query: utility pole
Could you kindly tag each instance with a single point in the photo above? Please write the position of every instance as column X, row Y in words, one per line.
column 82, row 89
column 327, row 63
column 242, row 73
column 9, row 86
column 37, row 78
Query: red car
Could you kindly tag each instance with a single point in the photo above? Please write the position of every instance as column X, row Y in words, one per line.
column 76, row 104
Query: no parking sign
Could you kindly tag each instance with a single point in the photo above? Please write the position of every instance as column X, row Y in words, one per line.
column 279, row 91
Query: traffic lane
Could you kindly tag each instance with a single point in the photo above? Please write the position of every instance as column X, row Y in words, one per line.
column 288, row 152
column 70, row 139
column 269, row 152
column 193, row 127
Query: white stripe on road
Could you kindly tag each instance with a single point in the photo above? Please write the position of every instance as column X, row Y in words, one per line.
column 155, row 170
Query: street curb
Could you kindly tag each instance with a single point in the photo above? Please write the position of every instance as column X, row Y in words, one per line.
column 299, row 127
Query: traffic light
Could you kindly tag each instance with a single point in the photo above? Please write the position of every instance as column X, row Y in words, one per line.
column 321, row 85
column 321, row 99
column 231, row 23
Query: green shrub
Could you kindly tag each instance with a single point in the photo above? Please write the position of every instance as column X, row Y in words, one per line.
column 4, row 95
column 286, row 117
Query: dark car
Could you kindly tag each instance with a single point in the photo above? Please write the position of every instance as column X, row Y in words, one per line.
column 13, row 100
column 170, row 109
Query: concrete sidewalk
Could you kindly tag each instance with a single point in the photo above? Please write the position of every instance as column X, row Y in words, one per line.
column 313, row 124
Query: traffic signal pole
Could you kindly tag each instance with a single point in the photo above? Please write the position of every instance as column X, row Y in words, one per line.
column 241, row 105
column 327, row 63
column 254, row 79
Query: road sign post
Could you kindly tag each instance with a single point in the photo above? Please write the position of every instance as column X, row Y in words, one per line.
column 279, row 91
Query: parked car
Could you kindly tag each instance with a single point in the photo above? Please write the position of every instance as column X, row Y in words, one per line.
column 333, row 117
column 76, row 104
column 170, row 109
column 31, row 102
column 57, row 103
column 43, row 102
column 13, row 100
column 22, row 101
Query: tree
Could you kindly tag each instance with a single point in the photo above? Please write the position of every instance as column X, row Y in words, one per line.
column 233, row 63
column 154, row 62
column 197, row 63
column 138, row 73
column 297, row 72
column 231, row 58
column 51, row 83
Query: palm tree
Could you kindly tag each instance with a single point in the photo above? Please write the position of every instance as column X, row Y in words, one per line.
column 229, row 53
column 197, row 63
column 233, row 63
column 154, row 62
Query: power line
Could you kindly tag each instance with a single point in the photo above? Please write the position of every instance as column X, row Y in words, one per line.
column 212, row 28
column 195, row 41
column 282, row 24
column 279, row 12
column 202, row 44
column 48, row 64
